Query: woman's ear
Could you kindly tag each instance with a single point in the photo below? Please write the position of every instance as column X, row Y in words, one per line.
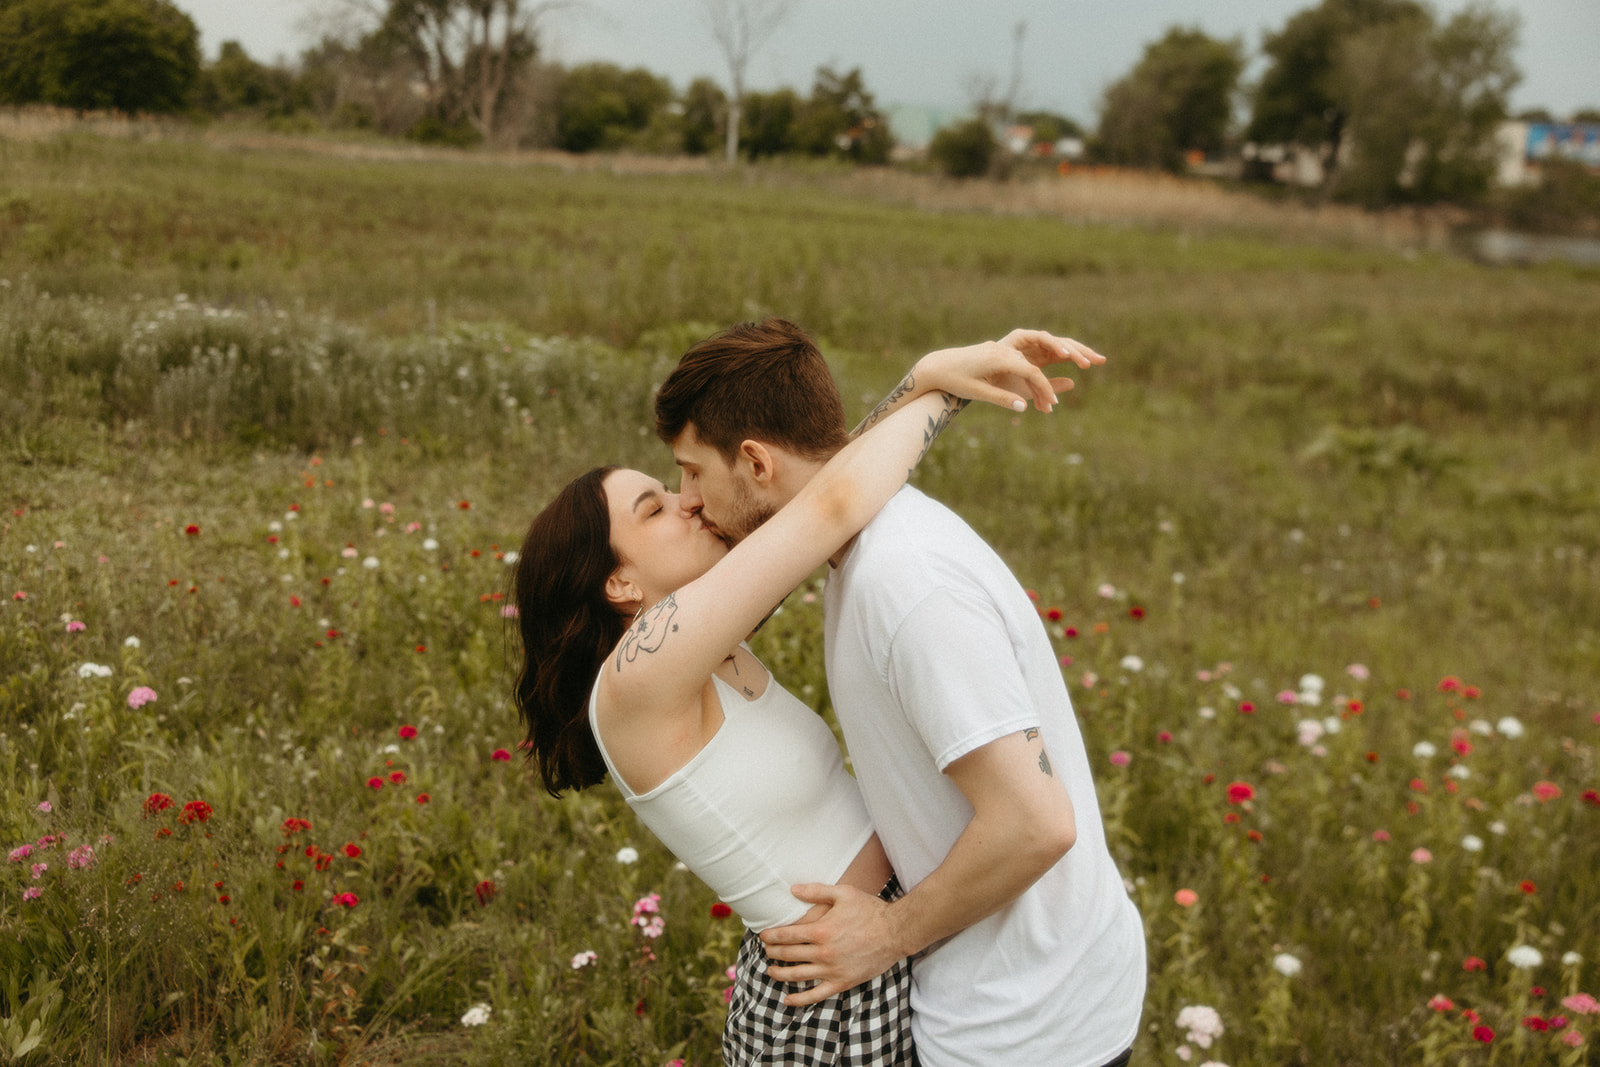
column 624, row 595
column 757, row 459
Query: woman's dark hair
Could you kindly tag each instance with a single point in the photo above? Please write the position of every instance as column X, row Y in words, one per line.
column 568, row 629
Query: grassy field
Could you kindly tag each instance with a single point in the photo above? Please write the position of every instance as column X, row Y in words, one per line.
column 272, row 421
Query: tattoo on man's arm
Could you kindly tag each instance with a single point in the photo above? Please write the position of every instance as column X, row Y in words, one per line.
column 1032, row 734
column 907, row 384
column 648, row 632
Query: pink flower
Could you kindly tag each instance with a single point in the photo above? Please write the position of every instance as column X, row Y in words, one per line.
column 75, row 627
column 1440, row 1002
column 348, row 900
column 1421, row 855
column 1380, row 835
column 1572, row 1039
column 80, row 857
column 1288, row 696
column 33, row 892
column 1473, row 963
column 20, row 853
column 1358, row 671
column 1239, row 792
column 407, row 732
column 141, row 696
column 1120, row 758
column 1482, row 1033
column 1546, row 791
column 46, row 807
column 374, row 783
column 1186, row 898
column 509, row 612
column 38, row 869
column 500, row 755
column 1582, row 1004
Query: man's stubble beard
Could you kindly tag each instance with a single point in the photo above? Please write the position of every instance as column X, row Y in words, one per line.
column 749, row 513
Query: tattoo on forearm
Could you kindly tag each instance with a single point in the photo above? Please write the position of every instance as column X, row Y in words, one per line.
column 937, row 423
column 1032, row 734
column 907, row 384
column 648, row 632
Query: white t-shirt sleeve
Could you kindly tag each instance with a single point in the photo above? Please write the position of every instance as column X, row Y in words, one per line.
column 953, row 669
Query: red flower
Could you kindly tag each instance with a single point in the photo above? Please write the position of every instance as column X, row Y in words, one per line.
column 374, row 783
column 1402, row 694
column 423, row 798
column 1246, row 708
column 464, row 505
column 1592, row 796
column 1527, row 887
column 349, row 900
column 223, row 899
column 485, row 892
column 1440, row 1002
column 1231, row 817
column 1536, row 991
column 333, row 634
column 1546, row 791
column 163, row 832
column 1165, row 737
column 407, row 732
column 1418, row 785
column 421, row 649
column 1254, row 835
column 292, row 826
column 191, row 530
column 1469, row 1015
column 396, row 777
column 719, row 910
column 294, row 601
column 1449, row 684
column 1053, row 614
column 323, row 861
column 195, row 811
column 500, row 755
column 1473, row 963
column 1070, row 631
column 1482, row 1033
column 1356, row 707
column 1372, row 757
column 156, row 803
column 1239, row 792
column 352, row 850
column 298, row 886
column 1136, row 612
column 1471, row 692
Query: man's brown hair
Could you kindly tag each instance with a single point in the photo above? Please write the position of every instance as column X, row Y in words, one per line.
column 764, row 381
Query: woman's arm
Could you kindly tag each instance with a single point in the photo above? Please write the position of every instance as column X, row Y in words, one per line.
column 667, row 654
column 1000, row 372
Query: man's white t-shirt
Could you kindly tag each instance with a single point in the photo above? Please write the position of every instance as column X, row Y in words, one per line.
column 934, row 650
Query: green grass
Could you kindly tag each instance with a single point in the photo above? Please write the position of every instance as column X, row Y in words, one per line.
column 1349, row 456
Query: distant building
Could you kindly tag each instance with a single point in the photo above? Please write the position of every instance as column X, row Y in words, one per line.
column 1524, row 147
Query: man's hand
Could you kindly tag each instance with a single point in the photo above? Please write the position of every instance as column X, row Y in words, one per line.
column 851, row 941
column 1006, row 372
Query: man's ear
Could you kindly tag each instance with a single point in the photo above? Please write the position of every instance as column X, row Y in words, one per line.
column 624, row 595
column 759, row 461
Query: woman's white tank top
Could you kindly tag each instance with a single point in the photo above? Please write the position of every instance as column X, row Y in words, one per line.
column 766, row 804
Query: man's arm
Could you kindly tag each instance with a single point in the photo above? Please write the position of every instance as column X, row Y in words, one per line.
column 1022, row 824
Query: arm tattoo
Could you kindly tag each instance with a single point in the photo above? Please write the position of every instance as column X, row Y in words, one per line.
column 648, row 633
column 887, row 404
column 1032, row 734
column 937, row 423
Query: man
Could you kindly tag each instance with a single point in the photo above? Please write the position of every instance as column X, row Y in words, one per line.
column 959, row 727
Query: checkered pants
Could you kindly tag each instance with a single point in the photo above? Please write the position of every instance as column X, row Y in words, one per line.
column 868, row 1026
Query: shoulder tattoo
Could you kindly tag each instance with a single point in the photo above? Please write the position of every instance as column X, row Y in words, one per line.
column 648, row 632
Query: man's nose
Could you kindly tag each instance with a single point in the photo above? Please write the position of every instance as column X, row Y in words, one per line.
column 689, row 500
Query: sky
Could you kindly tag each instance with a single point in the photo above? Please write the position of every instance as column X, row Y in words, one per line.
column 932, row 53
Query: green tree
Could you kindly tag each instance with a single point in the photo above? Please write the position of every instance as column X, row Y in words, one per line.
column 1587, row 115
column 1177, row 99
column 1049, row 127
column 131, row 55
column 769, row 121
column 842, row 119
column 1423, row 101
column 602, row 106
column 705, row 109
column 964, row 149
column 235, row 83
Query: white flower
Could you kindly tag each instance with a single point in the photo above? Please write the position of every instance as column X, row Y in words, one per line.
column 1459, row 771
column 429, row 545
column 1358, row 671
column 1509, row 727
column 1480, row 727
column 1203, row 1024
column 1231, row 691
column 371, row 563
column 1207, row 713
column 283, row 553
column 1424, row 750
column 511, row 557
column 1107, row 590
column 390, row 749
column 275, row 526
column 1132, row 663
column 93, row 670
column 1570, row 959
column 583, row 959
column 1497, row 828
column 1312, row 682
column 627, row 854
column 476, row 1015
column 291, row 516
column 130, row 642
column 1524, row 956
column 1178, row 578
column 1310, row 697
column 1332, row 724
column 1184, row 1053
column 1472, row 843
column 1286, row 965
column 348, row 552
column 1310, row 731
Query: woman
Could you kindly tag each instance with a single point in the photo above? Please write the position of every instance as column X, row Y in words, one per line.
column 633, row 615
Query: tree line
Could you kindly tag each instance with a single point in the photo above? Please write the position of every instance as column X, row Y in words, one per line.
column 1395, row 102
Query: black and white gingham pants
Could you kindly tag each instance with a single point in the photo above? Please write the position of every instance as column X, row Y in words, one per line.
column 868, row 1026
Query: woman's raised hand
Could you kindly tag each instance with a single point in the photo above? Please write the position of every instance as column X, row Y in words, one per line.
column 1008, row 372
